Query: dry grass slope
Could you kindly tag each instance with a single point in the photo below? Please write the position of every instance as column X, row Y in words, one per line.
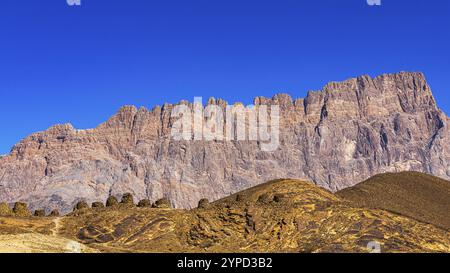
column 279, row 216
column 416, row 195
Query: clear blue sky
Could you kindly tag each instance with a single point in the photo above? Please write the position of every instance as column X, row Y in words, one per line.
column 63, row 64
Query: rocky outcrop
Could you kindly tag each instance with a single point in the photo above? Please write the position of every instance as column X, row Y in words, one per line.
column 335, row 137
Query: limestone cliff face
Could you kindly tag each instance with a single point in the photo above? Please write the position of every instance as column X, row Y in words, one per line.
column 336, row 137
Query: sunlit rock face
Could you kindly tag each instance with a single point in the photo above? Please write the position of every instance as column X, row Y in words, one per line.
column 336, row 137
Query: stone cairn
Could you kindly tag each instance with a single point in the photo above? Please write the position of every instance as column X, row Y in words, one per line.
column 144, row 203
column 163, row 203
column 264, row 198
column 39, row 213
column 21, row 209
column 127, row 199
column 112, row 202
column 81, row 206
column 203, row 203
column 98, row 205
column 278, row 198
column 239, row 198
column 54, row 213
column 5, row 210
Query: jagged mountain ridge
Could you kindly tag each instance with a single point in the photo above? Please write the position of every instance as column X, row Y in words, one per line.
column 336, row 137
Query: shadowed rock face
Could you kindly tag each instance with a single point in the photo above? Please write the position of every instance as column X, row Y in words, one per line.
column 336, row 137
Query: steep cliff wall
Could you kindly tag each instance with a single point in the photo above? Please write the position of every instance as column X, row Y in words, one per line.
column 336, row 137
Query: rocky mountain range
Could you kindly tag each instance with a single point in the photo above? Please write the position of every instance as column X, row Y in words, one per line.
column 336, row 137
